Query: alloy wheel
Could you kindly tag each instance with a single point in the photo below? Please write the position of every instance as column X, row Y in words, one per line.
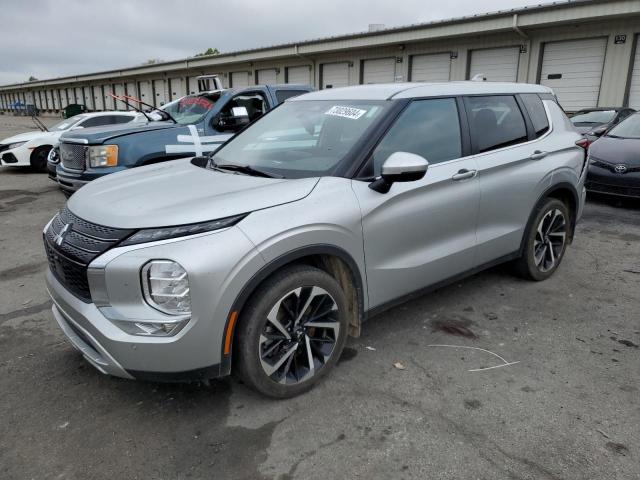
column 551, row 235
column 299, row 335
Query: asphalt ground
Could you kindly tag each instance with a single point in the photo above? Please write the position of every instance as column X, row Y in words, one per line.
column 568, row 409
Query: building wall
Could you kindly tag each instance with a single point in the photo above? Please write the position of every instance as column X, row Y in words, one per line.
column 460, row 42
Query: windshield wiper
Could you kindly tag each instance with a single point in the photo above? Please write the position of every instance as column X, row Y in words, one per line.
column 248, row 169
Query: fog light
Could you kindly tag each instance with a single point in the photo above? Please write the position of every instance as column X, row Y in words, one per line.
column 166, row 287
column 152, row 329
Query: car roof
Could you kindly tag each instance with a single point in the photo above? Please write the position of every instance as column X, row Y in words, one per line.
column 603, row 109
column 99, row 114
column 387, row 91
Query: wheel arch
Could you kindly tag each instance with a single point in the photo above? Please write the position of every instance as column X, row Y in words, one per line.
column 565, row 192
column 336, row 261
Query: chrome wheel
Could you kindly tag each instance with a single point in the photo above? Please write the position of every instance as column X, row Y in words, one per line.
column 551, row 235
column 299, row 335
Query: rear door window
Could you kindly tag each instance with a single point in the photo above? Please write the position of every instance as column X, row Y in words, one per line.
column 537, row 113
column 496, row 122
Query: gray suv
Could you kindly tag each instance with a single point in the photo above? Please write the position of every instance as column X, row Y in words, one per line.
column 329, row 209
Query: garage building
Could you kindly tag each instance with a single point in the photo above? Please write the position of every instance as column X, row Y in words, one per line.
column 586, row 50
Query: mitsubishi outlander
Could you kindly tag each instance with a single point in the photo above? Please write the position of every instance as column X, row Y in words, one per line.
column 263, row 257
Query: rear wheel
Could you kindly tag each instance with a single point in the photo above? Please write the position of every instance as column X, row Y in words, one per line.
column 546, row 241
column 292, row 333
column 39, row 159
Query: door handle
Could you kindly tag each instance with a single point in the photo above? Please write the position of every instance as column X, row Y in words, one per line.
column 464, row 174
column 538, row 155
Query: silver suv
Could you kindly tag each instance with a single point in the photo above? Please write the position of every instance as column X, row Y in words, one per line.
column 331, row 208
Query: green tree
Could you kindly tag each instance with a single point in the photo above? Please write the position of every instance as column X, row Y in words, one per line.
column 208, row 51
column 32, row 79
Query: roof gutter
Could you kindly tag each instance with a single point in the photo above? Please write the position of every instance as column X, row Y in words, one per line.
column 517, row 29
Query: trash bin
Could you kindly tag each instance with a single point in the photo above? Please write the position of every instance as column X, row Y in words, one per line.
column 73, row 109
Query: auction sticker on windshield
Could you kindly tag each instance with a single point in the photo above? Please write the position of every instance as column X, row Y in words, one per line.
column 346, row 112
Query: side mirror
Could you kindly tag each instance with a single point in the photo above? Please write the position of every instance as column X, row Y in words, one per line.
column 400, row 167
column 598, row 132
column 79, row 127
column 239, row 118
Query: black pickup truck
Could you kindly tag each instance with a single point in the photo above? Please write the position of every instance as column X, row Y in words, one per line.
column 192, row 125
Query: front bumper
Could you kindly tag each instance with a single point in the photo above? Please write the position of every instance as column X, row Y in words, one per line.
column 73, row 180
column 196, row 351
column 600, row 180
column 16, row 157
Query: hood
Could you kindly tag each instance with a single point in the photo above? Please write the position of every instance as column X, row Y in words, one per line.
column 617, row 150
column 25, row 137
column 178, row 193
column 99, row 135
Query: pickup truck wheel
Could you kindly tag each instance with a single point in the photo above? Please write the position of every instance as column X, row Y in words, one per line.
column 292, row 333
column 38, row 159
column 546, row 241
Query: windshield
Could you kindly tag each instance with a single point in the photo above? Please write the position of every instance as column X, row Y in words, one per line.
column 629, row 128
column 595, row 116
column 190, row 109
column 66, row 124
column 302, row 139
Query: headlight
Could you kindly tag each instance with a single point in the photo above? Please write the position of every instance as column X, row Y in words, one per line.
column 154, row 234
column 53, row 156
column 103, row 156
column 166, row 287
column 15, row 145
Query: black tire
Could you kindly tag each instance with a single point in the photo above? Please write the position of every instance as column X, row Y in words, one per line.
column 39, row 159
column 260, row 345
column 545, row 241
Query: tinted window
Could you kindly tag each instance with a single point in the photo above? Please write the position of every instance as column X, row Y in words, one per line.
column 282, row 95
column 537, row 113
column 122, row 118
column 98, row 121
column 496, row 122
column 255, row 104
column 429, row 128
column 593, row 116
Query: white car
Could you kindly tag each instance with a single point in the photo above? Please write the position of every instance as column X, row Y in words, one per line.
column 30, row 149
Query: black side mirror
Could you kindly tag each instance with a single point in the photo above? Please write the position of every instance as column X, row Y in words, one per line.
column 238, row 119
column 400, row 167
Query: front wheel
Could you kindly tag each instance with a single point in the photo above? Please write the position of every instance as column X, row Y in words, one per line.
column 292, row 332
column 546, row 241
column 39, row 159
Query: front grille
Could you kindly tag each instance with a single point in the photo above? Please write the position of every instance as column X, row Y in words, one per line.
column 73, row 156
column 597, row 187
column 72, row 243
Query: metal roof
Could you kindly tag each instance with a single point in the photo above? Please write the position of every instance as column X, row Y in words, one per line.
column 387, row 91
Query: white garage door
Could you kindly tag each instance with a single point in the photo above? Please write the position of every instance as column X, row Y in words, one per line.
column 431, row 68
column 119, row 91
column 97, row 98
column 107, row 88
column 267, row 77
column 177, row 88
column 160, row 91
column 334, row 75
column 87, row 97
column 634, row 89
column 49, row 100
column 145, row 91
column 299, row 75
column 497, row 64
column 574, row 70
column 239, row 79
column 380, row 70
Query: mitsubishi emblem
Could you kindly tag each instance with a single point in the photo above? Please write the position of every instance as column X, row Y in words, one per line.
column 59, row 238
